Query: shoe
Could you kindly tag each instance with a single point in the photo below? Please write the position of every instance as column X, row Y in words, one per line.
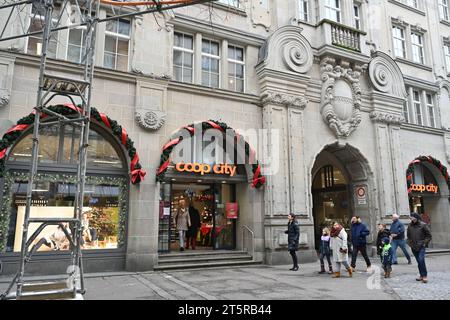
column 296, row 268
column 369, row 269
column 395, row 262
column 321, row 272
column 424, row 280
column 350, row 272
column 388, row 275
column 330, row 272
column 419, row 279
column 337, row 275
column 409, row 262
column 181, row 249
column 385, row 275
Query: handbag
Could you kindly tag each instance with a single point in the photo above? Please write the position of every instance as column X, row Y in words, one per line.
column 342, row 250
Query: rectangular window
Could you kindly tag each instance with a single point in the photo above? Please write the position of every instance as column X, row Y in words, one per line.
column 417, row 48
column 236, row 68
column 398, row 35
column 406, row 111
column 233, row 3
column 443, row 10
column 430, row 108
column 417, row 107
column 357, row 16
column 447, row 56
column 35, row 41
column 183, row 57
column 412, row 3
column 303, row 10
column 75, row 45
column 333, row 10
column 210, row 63
column 117, row 39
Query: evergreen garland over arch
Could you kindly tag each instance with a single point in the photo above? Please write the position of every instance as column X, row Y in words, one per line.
column 14, row 133
column 258, row 179
column 438, row 164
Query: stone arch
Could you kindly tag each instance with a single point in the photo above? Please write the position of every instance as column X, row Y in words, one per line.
column 386, row 76
column 287, row 49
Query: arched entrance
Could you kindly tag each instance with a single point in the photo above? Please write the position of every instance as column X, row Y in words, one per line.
column 428, row 194
column 340, row 185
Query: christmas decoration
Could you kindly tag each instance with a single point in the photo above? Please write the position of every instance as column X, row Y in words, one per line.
column 14, row 133
column 258, row 179
column 410, row 171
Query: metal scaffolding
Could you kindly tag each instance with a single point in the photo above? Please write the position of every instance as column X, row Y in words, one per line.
column 49, row 87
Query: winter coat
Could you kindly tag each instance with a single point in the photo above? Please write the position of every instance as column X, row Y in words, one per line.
column 419, row 235
column 359, row 233
column 182, row 220
column 382, row 234
column 325, row 245
column 339, row 242
column 386, row 254
column 398, row 228
column 293, row 233
column 195, row 217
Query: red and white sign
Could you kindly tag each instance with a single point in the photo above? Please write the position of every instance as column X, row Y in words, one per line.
column 231, row 209
column 361, row 194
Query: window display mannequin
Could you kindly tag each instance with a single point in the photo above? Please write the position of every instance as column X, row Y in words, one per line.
column 56, row 241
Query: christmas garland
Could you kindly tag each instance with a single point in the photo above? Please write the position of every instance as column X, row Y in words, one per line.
column 410, row 171
column 258, row 179
column 11, row 136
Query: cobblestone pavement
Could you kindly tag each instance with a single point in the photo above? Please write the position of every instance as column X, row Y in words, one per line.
column 272, row 282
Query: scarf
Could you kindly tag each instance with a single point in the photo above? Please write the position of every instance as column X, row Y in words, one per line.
column 335, row 231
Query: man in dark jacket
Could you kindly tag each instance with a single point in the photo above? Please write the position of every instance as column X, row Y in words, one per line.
column 191, row 235
column 398, row 239
column 419, row 236
column 359, row 234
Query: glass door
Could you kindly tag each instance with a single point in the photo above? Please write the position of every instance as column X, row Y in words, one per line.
column 224, row 235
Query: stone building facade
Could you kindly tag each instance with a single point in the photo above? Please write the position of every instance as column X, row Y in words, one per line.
column 356, row 90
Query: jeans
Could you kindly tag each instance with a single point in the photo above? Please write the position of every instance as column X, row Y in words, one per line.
column 402, row 244
column 363, row 251
column 191, row 237
column 294, row 258
column 337, row 267
column 322, row 262
column 182, row 234
column 420, row 257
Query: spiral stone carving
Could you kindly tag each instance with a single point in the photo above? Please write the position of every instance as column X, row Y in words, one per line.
column 386, row 76
column 295, row 56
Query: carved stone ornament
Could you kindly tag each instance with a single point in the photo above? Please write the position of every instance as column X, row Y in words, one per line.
column 150, row 120
column 4, row 99
column 288, row 49
column 284, row 100
column 386, row 76
column 341, row 97
column 386, row 118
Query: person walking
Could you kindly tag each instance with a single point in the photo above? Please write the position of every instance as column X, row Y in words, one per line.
column 325, row 251
column 340, row 249
column 386, row 257
column 419, row 236
column 293, row 233
column 359, row 233
column 191, row 235
column 398, row 238
column 182, row 222
column 383, row 232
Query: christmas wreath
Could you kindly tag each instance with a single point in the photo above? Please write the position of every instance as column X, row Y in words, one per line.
column 13, row 134
column 258, row 179
column 410, row 171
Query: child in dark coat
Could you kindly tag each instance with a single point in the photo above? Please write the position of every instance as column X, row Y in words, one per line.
column 325, row 251
column 386, row 257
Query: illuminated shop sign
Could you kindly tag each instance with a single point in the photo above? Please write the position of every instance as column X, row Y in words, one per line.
column 422, row 188
column 204, row 168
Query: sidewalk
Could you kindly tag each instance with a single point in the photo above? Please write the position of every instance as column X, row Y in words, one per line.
column 271, row 283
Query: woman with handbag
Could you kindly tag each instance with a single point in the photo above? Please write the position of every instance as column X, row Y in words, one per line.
column 293, row 233
column 340, row 249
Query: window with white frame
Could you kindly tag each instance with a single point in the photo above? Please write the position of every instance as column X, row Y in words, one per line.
column 236, row 68
column 117, row 41
column 430, row 109
column 303, row 10
column 444, row 10
column 406, row 111
column 447, row 56
column 398, row 35
column 210, row 63
column 183, row 57
column 333, row 10
column 417, row 48
column 75, row 44
column 233, row 3
column 417, row 107
column 34, row 45
column 357, row 16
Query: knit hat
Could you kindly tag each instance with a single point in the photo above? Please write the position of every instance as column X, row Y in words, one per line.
column 385, row 240
column 416, row 215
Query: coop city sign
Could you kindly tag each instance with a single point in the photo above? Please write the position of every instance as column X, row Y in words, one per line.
column 204, row 168
column 421, row 188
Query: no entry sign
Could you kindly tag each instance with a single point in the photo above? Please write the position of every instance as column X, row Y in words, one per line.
column 361, row 194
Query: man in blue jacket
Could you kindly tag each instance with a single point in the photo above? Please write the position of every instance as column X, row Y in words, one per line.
column 359, row 234
column 398, row 239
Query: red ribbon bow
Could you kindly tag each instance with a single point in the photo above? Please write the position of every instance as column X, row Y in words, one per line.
column 137, row 175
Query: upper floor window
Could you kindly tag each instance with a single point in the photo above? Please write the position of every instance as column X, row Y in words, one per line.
column 333, row 10
column 406, row 111
column 303, row 10
column 447, row 56
column 417, row 107
column 417, row 48
column 236, row 70
column 117, row 39
column 233, row 3
column 183, row 57
column 35, row 41
column 398, row 35
column 210, row 63
column 357, row 16
column 443, row 10
column 75, row 45
column 430, row 109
